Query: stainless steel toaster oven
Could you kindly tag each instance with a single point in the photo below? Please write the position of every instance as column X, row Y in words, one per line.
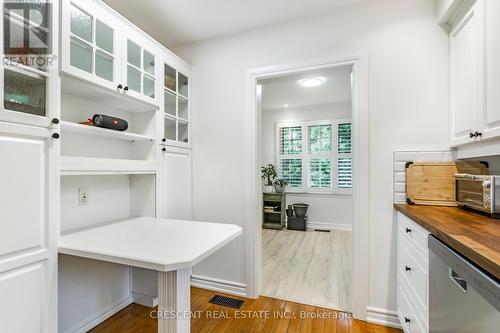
column 479, row 192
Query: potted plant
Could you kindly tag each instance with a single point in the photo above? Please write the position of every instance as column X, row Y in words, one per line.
column 300, row 209
column 269, row 174
column 279, row 185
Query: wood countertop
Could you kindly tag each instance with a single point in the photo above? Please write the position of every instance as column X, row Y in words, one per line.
column 474, row 235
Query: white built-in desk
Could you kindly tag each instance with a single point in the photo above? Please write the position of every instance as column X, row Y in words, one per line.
column 171, row 247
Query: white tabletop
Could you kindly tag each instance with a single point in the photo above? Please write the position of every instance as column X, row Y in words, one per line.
column 153, row 243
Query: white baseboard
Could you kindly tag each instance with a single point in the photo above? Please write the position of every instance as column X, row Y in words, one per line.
column 145, row 300
column 382, row 317
column 110, row 311
column 223, row 286
column 328, row 226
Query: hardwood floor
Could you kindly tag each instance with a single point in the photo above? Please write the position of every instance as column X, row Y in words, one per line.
column 308, row 267
column 217, row 319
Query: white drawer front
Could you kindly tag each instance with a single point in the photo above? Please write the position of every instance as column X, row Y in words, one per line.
column 407, row 314
column 414, row 233
column 414, row 269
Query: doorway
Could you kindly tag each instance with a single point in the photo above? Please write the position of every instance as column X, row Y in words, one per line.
column 306, row 124
column 359, row 245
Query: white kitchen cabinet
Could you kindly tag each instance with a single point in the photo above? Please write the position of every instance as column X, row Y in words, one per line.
column 176, row 179
column 91, row 47
column 28, row 245
column 475, row 73
column 465, row 76
column 139, row 67
column 28, row 93
column 103, row 49
column 412, row 276
column 491, row 118
column 176, row 108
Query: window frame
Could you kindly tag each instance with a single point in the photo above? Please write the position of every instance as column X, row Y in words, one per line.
column 306, row 156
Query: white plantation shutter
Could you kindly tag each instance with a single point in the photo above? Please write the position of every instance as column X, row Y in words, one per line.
column 320, row 156
column 344, row 173
column 290, row 151
column 344, row 160
column 315, row 156
column 291, row 172
column 320, row 173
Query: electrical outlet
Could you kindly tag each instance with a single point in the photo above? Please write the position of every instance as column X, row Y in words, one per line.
column 83, row 195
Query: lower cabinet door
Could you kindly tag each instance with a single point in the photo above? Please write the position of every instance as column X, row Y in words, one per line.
column 27, row 250
column 175, row 184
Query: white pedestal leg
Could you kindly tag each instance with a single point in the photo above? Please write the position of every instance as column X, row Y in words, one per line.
column 174, row 298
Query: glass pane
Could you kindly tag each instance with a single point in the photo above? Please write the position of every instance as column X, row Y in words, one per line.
column 149, row 63
column 24, row 92
column 345, row 138
column 81, row 24
column 81, row 55
column 345, row 172
column 170, row 129
column 104, row 66
column 104, row 36
column 183, row 85
column 183, row 108
column 291, row 140
column 27, row 33
column 320, row 173
column 133, row 79
column 133, row 54
column 170, row 80
column 320, row 139
column 149, row 86
column 170, row 103
column 183, row 132
column 291, row 172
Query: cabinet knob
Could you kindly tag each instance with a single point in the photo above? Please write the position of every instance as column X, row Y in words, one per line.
column 164, row 140
column 56, row 135
column 407, row 268
column 407, row 320
column 164, row 149
column 471, row 135
column 408, row 230
column 125, row 89
column 55, row 121
column 478, row 134
column 120, row 86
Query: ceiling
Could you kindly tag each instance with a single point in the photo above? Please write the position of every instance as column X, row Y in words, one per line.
column 277, row 92
column 174, row 22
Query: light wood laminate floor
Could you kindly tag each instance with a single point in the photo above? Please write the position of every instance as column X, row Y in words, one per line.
column 137, row 318
column 308, row 267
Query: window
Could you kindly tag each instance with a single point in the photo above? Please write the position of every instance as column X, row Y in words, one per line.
column 315, row 156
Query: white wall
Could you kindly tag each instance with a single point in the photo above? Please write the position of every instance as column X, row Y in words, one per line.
column 408, row 85
column 332, row 210
column 90, row 288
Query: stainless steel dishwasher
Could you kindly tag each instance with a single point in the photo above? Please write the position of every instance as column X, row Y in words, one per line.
column 462, row 297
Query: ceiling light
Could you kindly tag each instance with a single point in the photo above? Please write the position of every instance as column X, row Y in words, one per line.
column 312, row 82
column 286, row 105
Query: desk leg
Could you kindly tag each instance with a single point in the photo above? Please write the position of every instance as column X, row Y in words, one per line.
column 174, row 290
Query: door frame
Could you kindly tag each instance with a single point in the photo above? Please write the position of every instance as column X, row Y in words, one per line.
column 360, row 184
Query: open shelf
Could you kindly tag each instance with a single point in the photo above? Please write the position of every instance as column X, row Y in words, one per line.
column 102, row 166
column 102, row 132
column 116, row 99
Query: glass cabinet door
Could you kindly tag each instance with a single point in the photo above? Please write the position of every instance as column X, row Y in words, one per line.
column 26, row 67
column 92, row 44
column 176, row 107
column 140, row 70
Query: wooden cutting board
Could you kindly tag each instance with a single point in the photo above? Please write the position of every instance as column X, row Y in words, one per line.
column 433, row 183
